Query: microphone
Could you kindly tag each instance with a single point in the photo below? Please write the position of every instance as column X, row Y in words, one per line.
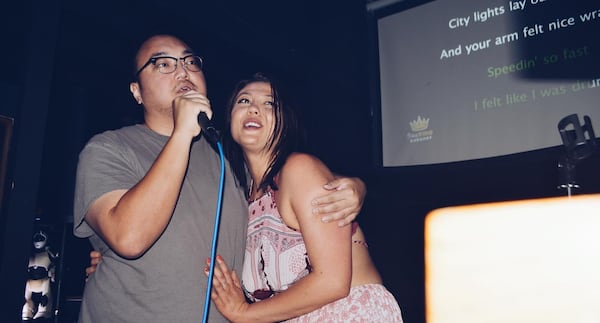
column 208, row 129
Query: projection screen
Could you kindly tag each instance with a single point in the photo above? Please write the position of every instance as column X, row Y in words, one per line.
column 460, row 80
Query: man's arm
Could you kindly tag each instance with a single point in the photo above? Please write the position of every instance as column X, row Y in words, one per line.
column 130, row 221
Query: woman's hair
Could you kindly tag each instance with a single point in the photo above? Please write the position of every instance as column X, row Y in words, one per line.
column 286, row 138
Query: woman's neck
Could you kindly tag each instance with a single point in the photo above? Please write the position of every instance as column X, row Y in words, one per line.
column 257, row 167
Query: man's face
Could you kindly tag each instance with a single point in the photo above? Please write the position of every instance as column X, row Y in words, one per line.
column 156, row 90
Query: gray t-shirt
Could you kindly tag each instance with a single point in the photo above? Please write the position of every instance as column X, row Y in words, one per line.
column 166, row 284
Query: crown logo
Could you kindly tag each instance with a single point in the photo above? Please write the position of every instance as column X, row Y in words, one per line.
column 419, row 125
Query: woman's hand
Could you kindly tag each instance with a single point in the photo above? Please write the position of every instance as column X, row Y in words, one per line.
column 95, row 259
column 227, row 293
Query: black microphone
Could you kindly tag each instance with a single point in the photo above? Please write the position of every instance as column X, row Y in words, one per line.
column 208, row 129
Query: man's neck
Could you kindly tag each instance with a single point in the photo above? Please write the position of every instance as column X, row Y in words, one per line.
column 159, row 124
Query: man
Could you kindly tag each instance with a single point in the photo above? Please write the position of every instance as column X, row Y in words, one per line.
column 146, row 197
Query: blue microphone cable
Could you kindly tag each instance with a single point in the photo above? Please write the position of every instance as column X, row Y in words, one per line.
column 213, row 250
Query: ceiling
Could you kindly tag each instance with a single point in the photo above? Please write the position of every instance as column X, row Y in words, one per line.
column 296, row 39
column 274, row 31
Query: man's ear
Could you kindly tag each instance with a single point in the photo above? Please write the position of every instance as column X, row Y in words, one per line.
column 134, row 88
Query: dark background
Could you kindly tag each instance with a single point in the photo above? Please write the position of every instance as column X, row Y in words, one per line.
column 65, row 76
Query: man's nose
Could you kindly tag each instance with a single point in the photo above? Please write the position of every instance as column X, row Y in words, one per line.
column 180, row 70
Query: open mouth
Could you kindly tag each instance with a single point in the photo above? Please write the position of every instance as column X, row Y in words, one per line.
column 252, row 124
column 184, row 89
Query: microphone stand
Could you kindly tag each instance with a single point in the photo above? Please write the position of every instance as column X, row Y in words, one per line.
column 578, row 147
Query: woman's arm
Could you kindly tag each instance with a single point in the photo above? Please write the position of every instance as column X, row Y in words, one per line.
column 328, row 247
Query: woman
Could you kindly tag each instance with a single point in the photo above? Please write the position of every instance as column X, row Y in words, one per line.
column 295, row 265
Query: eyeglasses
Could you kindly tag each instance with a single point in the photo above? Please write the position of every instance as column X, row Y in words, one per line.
column 168, row 64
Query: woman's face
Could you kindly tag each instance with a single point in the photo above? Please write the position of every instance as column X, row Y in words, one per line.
column 252, row 117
